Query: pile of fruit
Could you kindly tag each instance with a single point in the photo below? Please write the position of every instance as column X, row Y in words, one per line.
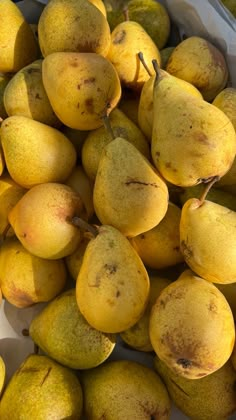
column 117, row 209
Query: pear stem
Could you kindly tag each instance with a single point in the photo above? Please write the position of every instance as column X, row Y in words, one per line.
column 207, row 189
column 126, row 13
column 108, row 127
column 80, row 223
column 156, row 68
column 141, row 58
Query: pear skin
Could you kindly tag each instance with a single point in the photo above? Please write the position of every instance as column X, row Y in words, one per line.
column 88, row 81
column 70, row 340
column 229, row 292
column 124, row 389
column 47, row 389
column 226, row 101
column 208, row 240
column 192, row 327
column 112, row 287
column 124, row 187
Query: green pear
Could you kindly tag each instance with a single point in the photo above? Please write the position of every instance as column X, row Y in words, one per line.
column 88, row 81
column 112, row 287
column 126, row 185
column 192, row 140
column 41, row 220
column 97, row 139
column 79, row 27
column 208, row 240
column 25, row 95
column 70, row 340
column 42, row 389
column 124, row 389
column 216, row 195
column 212, row 397
column 4, row 80
column 18, row 46
column 35, row 153
column 26, row 279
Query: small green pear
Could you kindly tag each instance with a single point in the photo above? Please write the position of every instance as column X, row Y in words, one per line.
column 42, row 389
column 70, row 340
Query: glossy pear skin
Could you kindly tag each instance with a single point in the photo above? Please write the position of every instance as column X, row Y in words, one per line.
column 208, row 240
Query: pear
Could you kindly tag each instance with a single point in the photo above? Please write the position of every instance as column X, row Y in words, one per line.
column 226, row 101
column 124, row 389
column 127, row 39
column 42, row 218
column 25, row 95
column 88, row 81
column 2, row 375
column 192, row 327
column 199, row 62
column 74, row 260
column 35, row 153
column 229, row 179
column 18, row 46
column 192, row 140
column 10, row 194
column 97, row 139
column 165, row 55
column 160, row 247
column 216, row 195
column 4, row 80
column 230, row 5
column 42, row 389
column 70, row 340
column 112, row 287
column 208, row 240
column 100, row 5
column 211, row 397
column 85, row 28
column 26, row 279
column 137, row 336
column 127, row 184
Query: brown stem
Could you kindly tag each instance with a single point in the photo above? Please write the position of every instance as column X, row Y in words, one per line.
column 108, row 127
column 25, row 332
column 80, row 223
column 126, row 13
column 141, row 58
column 156, row 68
column 207, row 189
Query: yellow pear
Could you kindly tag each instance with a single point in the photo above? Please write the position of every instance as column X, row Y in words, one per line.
column 160, row 247
column 112, row 287
column 127, row 40
column 88, row 81
column 137, row 336
column 97, row 139
column 79, row 182
column 79, row 27
column 10, row 194
column 25, row 95
column 4, row 80
column 26, row 279
column 226, row 101
column 208, row 240
column 70, row 340
column 42, row 218
column 199, row 62
column 192, row 327
column 74, row 260
column 18, row 46
column 35, row 153
column 126, row 185
column 124, row 389
column 192, row 140
column 211, row 397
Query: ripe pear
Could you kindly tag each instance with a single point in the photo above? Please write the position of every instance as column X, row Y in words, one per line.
column 2, row 375
column 74, row 260
column 216, row 195
column 124, row 389
column 18, row 46
column 125, row 187
column 26, row 279
column 211, row 397
column 10, row 194
column 112, row 287
column 160, row 247
column 97, row 139
column 70, row 340
column 80, row 183
column 192, row 327
column 25, row 95
column 137, row 336
column 192, row 140
column 226, row 101
column 127, row 39
column 208, row 240
column 199, row 62
column 79, row 27
column 42, row 389
column 88, row 81
column 36, row 153
column 4, row 80
column 42, row 218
